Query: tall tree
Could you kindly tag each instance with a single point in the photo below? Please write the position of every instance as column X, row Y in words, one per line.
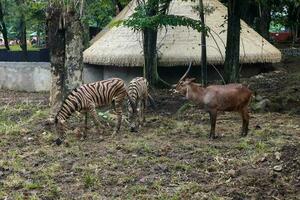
column 149, row 46
column 264, row 18
column 203, row 45
column 22, row 29
column 56, row 44
column 74, row 37
column 232, row 66
column 3, row 29
column 148, row 17
column 293, row 18
column 65, row 40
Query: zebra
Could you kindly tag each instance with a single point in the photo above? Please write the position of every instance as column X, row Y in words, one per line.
column 138, row 95
column 88, row 97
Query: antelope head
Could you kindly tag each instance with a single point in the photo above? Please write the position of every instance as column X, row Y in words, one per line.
column 183, row 83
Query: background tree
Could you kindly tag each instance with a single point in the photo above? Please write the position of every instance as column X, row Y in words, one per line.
column 65, row 39
column 74, row 46
column 148, row 17
column 203, row 45
column 56, row 44
column 22, row 28
column 3, row 29
column 231, row 65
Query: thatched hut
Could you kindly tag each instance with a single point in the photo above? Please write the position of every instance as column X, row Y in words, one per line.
column 117, row 51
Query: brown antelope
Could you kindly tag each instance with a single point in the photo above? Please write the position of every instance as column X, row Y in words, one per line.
column 214, row 98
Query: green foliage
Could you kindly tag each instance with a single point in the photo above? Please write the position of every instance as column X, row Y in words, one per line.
column 141, row 19
column 139, row 22
column 100, row 13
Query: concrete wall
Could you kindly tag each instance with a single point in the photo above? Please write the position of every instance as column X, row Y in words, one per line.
column 25, row 76
column 36, row 76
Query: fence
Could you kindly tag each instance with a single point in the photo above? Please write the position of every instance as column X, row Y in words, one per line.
column 290, row 51
column 32, row 56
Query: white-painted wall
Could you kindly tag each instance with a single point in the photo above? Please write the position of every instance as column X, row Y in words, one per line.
column 25, row 76
column 36, row 76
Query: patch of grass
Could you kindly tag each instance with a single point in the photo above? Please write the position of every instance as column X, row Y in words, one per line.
column 182, row 166
column 14, row 119
column 187, row 191
column 261, row 146
column 32, row 186
column 90, row 180
column 139, row 147
column 53, row 192
column 137, row 190
column 244, row 144
column 14, row 181
column 183, row 108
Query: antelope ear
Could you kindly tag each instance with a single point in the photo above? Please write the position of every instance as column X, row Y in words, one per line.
column 189, row 80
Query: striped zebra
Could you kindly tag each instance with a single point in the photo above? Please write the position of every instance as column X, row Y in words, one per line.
column 88, row 97
column 138, row 93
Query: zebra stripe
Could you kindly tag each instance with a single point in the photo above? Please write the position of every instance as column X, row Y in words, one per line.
column 89, row 96
column 138, row 93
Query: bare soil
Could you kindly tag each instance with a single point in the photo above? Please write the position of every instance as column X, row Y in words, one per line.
column 170, row 157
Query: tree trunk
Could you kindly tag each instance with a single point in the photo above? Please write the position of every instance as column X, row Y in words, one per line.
column 56, row 44
column 74, row 36
column 232, row 66
column 150, row 51
column 22, row 32
column 264, row 21
column 203, row 46
column 3, row 29
column 118, row 6
column 150, row 56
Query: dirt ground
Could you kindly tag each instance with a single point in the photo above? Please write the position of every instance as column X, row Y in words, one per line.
column 171, row 157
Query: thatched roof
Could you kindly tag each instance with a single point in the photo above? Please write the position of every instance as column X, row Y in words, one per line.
column 121, row 46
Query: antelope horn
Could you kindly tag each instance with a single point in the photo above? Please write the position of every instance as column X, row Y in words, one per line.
column 186, row 73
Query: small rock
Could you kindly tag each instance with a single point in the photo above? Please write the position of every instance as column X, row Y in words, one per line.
column 257, row 127
column 143, row 180
column 232, row 173
column 262, row 105
column 277, row 155
column 264, row 158
column 258, row 98
column 277, row 168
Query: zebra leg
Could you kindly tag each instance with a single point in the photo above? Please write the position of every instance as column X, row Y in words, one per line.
column 144, row 109
column 118, row 106
column 61, row 130
column 85, row 126
column 92, row 109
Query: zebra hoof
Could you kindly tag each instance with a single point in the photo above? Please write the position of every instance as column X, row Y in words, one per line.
column 58, row 141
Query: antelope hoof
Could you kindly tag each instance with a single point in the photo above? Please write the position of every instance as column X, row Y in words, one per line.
column 213, row 137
